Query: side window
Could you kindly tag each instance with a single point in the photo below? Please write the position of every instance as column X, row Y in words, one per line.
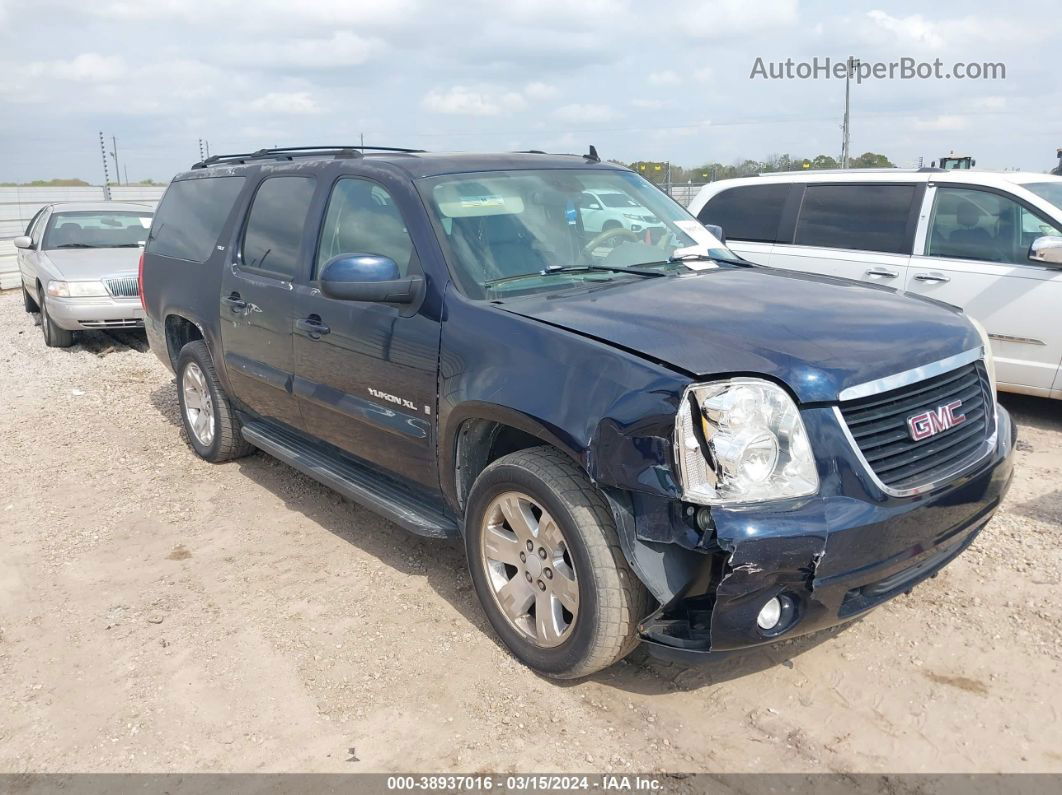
column 273, row 236
column 362, row 219
column 190, row 217
column 862, row 217
column 980, row 225
column 30, row 231
column 751, row 213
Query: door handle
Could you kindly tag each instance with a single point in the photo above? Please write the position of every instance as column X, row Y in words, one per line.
column 931, row 276
column 884, row 273
column 236, row 304
column 313, row 326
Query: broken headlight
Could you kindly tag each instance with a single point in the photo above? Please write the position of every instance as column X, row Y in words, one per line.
column 742, row 441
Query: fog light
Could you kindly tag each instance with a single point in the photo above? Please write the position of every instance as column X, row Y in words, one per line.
column 770, row 614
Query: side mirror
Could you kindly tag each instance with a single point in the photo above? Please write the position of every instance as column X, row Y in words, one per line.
column 23, row 241
column 717, row 232
column 593, row 206
column 1046, row 250
column 367, row 277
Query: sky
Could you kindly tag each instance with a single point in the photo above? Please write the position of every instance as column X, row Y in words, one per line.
column 666, row 80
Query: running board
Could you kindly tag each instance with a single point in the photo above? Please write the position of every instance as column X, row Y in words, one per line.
column 356, row 482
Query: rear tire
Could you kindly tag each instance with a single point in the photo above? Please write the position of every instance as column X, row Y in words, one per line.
column 28, row 303
column 54, row 336
column 572, row 566
column 208, row 418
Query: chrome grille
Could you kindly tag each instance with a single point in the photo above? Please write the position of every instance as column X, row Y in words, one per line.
column 122, row 286
column 878, row 425
column 128, row 322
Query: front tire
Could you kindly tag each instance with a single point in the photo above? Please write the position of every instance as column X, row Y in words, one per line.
column 207, row 416
column 54, row 336
column 547, row 566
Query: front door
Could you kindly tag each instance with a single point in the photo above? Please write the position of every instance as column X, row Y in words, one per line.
column 257, row 298
column 976, row 256
column 366, row 373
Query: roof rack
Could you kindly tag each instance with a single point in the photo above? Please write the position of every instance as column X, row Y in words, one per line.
column 291, row 152
column 591, row 155
column 923, row 170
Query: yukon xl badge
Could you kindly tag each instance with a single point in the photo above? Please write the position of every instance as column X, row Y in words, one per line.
column 930, row 423
column 376, row 393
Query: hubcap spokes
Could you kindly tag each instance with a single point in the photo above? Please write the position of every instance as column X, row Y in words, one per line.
column 528, row 566
column 198, row 405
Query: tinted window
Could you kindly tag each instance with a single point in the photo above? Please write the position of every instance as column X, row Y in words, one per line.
column 865, row 217
column 191, row 215
column 362, row 219
column 749, row 213
column 980, row 225
column 274, row 226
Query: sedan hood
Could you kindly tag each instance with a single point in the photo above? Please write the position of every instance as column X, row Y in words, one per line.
column 92, row 263
column 817, row 334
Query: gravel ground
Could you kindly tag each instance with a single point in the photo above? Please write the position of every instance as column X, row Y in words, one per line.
column 158, row 613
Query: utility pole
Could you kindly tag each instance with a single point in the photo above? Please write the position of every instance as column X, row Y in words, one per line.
column 362, row 140
column 207, row 144
column 114, row 154
column 202, row 157
column 106, row 176
column 852, row 64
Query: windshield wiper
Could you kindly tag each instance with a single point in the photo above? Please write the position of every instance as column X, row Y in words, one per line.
column 77, row 245
column 562, row 269
column 744, row 263
column 123, row 245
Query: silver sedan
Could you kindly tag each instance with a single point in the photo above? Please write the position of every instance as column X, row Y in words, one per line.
column 78, row 262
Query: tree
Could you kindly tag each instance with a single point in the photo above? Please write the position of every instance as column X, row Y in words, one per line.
column 871, row 160
column 825, row 161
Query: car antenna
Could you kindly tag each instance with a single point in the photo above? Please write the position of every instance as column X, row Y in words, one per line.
column 592, row 154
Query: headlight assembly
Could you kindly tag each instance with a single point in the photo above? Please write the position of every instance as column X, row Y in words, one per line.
column 742, row 440
column 77, row 289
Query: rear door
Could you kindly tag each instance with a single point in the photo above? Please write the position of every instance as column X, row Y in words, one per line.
column 366, row 373
column 751, row 217
column 975, row 254
column 257, row 297
column 862, row 231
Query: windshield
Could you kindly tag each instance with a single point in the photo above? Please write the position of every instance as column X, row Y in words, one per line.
column 98, row 229
column 1052, row 191
column 559, row 228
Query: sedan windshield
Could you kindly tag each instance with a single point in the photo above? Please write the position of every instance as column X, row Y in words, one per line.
column 519, row 231
column 98, row 229
column 1052, row 191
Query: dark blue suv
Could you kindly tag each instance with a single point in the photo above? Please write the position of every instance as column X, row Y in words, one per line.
column 638, row 435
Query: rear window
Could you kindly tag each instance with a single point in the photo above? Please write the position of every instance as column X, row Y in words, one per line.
column 275, row 225
column 190, row 217
column 751, row 213
column 863, row 217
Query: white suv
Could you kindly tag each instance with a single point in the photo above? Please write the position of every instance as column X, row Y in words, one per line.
column 604, row 210
column 990, row 243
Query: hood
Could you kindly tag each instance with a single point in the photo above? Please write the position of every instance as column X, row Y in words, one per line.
column 92, row 263
column 817, row 334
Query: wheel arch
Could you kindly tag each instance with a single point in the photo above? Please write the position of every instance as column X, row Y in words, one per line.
column 482, row 433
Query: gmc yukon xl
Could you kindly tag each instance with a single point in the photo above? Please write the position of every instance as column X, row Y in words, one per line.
column 639, row 436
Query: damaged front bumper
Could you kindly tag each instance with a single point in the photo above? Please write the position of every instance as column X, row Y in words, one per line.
column 829, row 559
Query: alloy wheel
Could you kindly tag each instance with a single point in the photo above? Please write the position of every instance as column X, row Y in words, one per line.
column 529, row 568
column 198, row 404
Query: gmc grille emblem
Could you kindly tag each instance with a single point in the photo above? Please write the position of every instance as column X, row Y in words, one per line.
column 930, row 423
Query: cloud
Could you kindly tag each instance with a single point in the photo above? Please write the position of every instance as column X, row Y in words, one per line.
column 914, row 29
column 467, row 101
column 292, row 103
column 581, row 113
column 723, row 19
column 340, row 50
column 942, row 122
column 665, row 78
column 538, row 90
column 87, row 67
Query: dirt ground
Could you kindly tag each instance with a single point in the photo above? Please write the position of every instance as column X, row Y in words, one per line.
column 158, row 613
